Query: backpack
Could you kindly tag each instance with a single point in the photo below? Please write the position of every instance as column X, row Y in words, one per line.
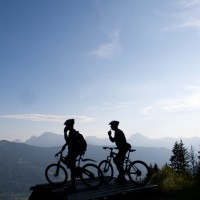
column 82, row 144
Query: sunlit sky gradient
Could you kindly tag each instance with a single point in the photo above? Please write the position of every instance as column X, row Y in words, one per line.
column 136, row 61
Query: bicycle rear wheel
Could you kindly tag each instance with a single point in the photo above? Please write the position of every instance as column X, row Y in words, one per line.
column 107, row 170
column 91, row 175
column 139, row 172
column 56, row 174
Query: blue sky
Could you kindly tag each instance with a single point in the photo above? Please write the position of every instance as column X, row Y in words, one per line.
column 136, row 61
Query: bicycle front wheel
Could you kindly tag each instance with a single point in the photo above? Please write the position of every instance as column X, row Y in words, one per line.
column 91, row 175
column 107, row 170
column 139, row 173
column 56, row 174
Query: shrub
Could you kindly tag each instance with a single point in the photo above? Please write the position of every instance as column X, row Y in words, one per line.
column 170, row 181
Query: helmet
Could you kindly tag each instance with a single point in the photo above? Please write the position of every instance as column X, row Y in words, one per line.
column 116, row 123
column 69, row 122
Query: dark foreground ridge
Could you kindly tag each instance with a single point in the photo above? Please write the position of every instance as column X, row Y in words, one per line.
column 105, row 191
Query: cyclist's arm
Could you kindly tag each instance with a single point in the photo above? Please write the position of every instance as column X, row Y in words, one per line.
column 112, row 139
column 65, row 134
column 66, row 138
column 64, row 146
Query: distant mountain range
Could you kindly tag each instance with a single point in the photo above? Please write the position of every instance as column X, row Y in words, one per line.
column 23, row 163
column 49, row 139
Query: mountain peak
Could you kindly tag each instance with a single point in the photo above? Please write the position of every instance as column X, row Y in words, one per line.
column 137, row 136
column 3, row 142
column 47, row 139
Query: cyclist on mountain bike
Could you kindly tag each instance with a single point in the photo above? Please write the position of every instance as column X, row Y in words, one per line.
column 120, row 141
column 72, row 141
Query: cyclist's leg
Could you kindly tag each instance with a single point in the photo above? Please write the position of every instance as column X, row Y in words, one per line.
column 72, row 167
column 119, row 160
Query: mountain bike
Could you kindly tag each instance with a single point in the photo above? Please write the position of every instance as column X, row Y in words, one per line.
column 89, row 173
column 137, row 171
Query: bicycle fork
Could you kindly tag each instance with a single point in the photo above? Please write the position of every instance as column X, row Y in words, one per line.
column 57, row 170
column 106, row 167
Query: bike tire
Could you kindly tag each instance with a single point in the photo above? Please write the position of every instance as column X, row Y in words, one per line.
column 107, row 170
column 91, row 175
column 139, row 173
column 56, row 174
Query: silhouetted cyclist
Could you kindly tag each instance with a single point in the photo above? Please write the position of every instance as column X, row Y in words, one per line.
column 120, row 141
column 73, row 151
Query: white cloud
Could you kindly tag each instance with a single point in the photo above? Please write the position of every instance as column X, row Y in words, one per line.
column 186, row 24
column 187, row 15
column 108, row 49
column 182, row 103
column 188, row 3
column 149, row 110
column 47, row 118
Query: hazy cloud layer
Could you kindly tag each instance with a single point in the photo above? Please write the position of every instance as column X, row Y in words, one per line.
column 188, row 3
column 182, row 103
column 50, row 118
column 187, row 15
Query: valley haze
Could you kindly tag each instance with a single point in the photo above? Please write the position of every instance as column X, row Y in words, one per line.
column 49, row 139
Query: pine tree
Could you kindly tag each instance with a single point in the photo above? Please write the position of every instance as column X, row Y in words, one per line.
column 155, row 168
column 198, row 168
column 180, row 158
column 193, row 160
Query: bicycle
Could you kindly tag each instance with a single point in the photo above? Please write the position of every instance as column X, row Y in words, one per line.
column 137, row 171
column 90, row 174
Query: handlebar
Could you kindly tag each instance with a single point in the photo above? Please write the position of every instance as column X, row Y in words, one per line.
column 60, row 152
column 111, row 148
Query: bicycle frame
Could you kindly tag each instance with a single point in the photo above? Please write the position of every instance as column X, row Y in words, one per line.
column 78, row 164
column 112, row 154
column 78, row 161
column 81, row 159
column 89, row 173
column 137, row 170
column 127, row 161
column 79, row 168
